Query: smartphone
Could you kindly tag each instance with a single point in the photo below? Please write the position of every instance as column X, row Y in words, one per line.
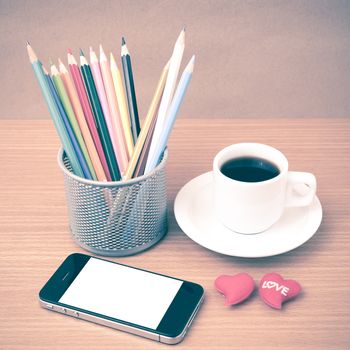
column 137, row 301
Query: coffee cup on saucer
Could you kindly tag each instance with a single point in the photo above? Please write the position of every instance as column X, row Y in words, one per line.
column 252, row 187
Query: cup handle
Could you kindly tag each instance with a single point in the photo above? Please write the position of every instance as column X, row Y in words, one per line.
column 301, row 189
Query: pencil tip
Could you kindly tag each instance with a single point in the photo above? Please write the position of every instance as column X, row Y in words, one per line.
column 190, row 64
column 50, row 61
column 181, row 38
column 31, row 54
column 28, row 43
column 69, row 51
column 81, row 52
column 184, row 29
column 90, row 48
column 101, row 48
column 59, row 61
column 168, row 64
column 44, row 70
column 123, row 41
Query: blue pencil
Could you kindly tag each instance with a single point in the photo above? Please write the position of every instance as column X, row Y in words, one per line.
column 62, row 133
column 175, row 105
column 69, row 129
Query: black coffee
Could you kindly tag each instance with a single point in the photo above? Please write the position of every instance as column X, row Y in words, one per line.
column 250, row 169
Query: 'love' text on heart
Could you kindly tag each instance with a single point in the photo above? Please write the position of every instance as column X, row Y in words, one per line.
column 274, row 285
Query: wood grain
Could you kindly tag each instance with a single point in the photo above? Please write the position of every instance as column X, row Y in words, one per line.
column 35, row 239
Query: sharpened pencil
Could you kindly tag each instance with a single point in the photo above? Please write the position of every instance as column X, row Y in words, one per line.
column 99, row 118
column 68, row 127
column 175, row 62
column 111, row 99
column 62, row 93
column 123, row 108
column 130, row 91
column 114, row 134
column 85, row 104
column 152, row 111
column 74, row 99
column 58, row 122
column 153, row 159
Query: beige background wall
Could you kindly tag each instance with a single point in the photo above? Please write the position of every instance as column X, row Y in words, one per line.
column 254, row 58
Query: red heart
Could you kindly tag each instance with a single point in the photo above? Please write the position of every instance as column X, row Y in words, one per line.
column 274, row 290
column 235, row 288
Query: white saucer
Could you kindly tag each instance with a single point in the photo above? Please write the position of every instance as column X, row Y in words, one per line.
column 194, row 213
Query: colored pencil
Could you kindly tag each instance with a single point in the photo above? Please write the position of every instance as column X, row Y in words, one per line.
column 62, row 93
column 123, row 109
column 85, row 104
column 68, row 127
column 111, row 126
column 152, row 111
column 141, row 163
column 122, row 152
column 58, row 122
column 74, row 100
column 99, row 118
column 175, row 62
column 130, row 91
column 153, row 160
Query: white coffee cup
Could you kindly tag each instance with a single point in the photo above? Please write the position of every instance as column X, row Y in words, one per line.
column 253, row 207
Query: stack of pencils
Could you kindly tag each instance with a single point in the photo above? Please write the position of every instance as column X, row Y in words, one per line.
column 94, row 109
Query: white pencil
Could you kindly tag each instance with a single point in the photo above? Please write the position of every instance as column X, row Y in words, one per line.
column 169, row 88
column 152, row 160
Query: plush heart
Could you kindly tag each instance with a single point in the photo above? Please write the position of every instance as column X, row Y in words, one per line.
column 274, row 290
column 235, row 288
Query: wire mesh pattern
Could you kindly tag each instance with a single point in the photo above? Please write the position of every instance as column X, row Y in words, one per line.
column 118, row 218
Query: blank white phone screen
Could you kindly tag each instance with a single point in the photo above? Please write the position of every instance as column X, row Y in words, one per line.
column 121, row 292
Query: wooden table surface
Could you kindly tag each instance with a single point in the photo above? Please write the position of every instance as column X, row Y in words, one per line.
column 35, row 239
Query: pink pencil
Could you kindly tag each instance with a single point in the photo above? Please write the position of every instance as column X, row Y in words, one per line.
column 118, row 144
column 79, row 84
column 90, row 145
column 113, row 106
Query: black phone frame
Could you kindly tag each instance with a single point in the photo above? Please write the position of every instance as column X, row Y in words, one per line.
column 174, row 320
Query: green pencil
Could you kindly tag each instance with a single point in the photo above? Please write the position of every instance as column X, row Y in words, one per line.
column 71, row 115
column 99, row 118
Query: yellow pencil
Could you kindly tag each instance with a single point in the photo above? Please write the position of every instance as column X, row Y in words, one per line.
column 119, row 90
column 148, row 121
column 73, row 96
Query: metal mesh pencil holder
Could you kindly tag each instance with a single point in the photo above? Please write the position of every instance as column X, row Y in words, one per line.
column 116, row 218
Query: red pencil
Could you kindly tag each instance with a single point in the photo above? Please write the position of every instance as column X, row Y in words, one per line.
column 79, row 84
